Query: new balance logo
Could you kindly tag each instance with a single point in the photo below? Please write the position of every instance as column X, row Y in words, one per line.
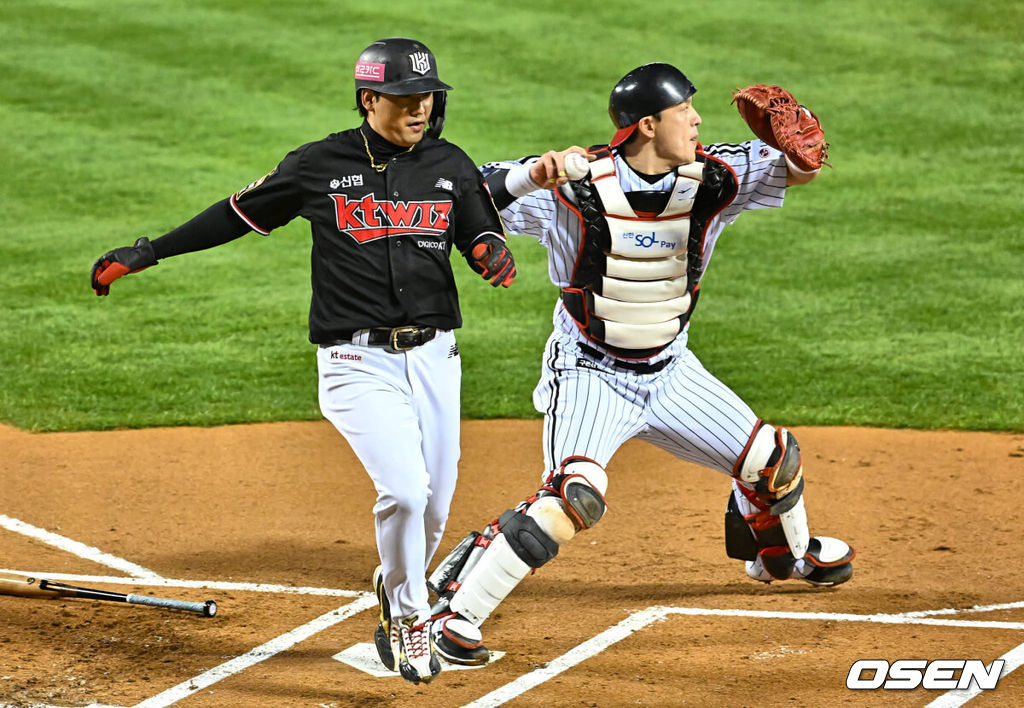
column 445, row 184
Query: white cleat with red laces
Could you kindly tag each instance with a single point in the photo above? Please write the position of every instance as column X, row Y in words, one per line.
column 417, row 658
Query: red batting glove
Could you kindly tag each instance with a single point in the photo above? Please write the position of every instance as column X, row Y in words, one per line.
column 491, row 258
column 120, row 262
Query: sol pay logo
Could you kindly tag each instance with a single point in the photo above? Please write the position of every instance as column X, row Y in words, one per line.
column 908, row 674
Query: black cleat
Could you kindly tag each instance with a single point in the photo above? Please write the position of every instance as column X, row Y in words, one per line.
column 458, row 641
column 382, row 638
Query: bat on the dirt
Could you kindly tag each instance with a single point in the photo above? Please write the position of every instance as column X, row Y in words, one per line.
column 24, row 586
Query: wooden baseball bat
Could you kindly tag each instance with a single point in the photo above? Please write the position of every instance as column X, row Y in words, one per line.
column 24, row 586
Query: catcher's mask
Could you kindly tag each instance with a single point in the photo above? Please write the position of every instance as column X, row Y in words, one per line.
column 643, row 92
column 399, row 66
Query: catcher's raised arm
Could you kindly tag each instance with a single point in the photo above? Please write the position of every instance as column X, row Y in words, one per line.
column 777, row 118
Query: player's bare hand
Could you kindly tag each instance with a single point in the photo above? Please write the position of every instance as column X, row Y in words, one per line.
column 549, row 171
column 120, row 262
column 491, row 258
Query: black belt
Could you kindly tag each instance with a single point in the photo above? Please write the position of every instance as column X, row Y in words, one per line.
column 397, row 338
column 638, row 367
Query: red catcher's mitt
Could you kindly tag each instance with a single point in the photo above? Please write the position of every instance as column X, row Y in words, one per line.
column 776, row 117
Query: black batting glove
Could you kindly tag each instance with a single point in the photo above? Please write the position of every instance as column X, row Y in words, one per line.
column 491, row 258
column 119, row 262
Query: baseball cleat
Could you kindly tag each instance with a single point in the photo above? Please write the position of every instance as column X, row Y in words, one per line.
column 827, row 563
column 417, row 657
column 385, row 637
column 459, row 641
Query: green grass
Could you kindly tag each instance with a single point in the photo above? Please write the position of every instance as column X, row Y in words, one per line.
column 886, row 293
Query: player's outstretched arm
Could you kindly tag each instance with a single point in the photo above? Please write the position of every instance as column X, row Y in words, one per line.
column 218, row 224
column 776, row 117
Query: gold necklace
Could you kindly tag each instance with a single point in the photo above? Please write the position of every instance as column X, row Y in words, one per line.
column 373, row 164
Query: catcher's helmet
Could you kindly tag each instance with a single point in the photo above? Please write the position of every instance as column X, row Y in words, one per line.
column 643, row 92
column 399, row 66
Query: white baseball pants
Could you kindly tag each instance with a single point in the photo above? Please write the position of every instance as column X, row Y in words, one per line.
column 400, row 413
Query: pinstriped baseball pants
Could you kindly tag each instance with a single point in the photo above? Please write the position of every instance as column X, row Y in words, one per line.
column 591, row 408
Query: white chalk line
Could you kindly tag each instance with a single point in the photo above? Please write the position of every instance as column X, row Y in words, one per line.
column 955, row 611
column 261, row 653
column 198, row 584
column 592, row 647
column 841, row 617
column 579, row 653
column 643, row 618
column 76, row 547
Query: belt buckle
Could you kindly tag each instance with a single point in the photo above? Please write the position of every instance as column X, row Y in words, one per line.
column 394, row 337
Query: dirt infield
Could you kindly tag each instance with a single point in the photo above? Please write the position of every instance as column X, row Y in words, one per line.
column 936, row 518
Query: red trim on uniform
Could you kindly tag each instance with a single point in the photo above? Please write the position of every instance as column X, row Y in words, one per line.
column 746, row 449
column 573, row 458
column 583, row 232
column 482, row 541
column 735, row 180
column 821, row 564
column 252, row 224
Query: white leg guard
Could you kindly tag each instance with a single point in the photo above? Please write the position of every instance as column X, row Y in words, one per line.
column 794, row 526
column 491, row 580
column 502, row 567
column 572, row 499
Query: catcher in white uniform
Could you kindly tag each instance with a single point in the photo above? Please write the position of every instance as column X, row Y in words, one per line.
column 628, row 243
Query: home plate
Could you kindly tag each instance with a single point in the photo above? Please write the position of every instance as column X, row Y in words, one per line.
column 364, row 657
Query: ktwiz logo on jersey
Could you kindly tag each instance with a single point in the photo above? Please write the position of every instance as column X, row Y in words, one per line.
column 366, row 219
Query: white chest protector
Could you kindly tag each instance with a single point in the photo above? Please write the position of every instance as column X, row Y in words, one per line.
column 643, row 291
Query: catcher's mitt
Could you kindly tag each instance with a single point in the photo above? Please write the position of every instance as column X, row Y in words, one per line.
column 776, row 117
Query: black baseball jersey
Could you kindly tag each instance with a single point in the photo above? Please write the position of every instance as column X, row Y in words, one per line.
column 381, row 240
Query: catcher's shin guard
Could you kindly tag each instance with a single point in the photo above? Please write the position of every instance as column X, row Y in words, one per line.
column 769, row 478
column 458, row 641
column 766, row 522
column 520, row 546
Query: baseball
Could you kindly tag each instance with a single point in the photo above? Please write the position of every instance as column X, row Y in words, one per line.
column 576, row 166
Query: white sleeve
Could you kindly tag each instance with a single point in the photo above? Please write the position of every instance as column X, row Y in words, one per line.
column 760, row 173
column 532, row 210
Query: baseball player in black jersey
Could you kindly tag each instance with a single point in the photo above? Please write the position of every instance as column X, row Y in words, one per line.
column 629, row 235
column 386, row 201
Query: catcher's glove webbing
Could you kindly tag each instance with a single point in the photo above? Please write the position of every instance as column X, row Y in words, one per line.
column 776, row 117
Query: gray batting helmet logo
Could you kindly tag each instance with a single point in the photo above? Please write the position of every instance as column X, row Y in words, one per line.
column 420, row 62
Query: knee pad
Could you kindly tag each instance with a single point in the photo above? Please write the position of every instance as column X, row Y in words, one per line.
column 581, row 484
column 770, row 463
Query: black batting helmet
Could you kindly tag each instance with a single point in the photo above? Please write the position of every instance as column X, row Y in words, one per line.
column 643, row 92
column 400, row 66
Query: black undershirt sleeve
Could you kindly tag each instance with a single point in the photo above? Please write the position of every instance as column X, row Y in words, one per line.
column 213, row 227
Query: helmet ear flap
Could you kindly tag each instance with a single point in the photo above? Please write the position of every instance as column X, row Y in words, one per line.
column 437, row 114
